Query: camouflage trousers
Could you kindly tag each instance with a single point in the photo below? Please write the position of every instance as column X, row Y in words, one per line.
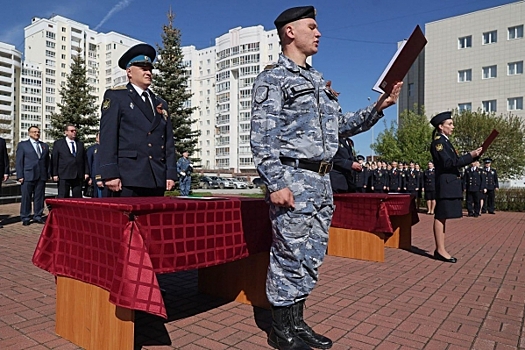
column 300, row 237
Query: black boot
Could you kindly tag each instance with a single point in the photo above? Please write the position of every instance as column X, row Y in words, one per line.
column 281, row 335
column 303, row 331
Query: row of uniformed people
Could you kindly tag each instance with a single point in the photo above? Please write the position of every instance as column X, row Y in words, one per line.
column 479, row 183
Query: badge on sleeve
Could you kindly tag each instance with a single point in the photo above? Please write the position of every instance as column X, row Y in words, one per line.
column 439, row 147
column 261, row 94
column 106, row 103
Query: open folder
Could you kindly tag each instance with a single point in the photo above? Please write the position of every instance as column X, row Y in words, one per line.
column 401, row 62
column 489, row 140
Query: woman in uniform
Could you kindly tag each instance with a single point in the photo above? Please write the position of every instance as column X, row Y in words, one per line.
column 449, row 192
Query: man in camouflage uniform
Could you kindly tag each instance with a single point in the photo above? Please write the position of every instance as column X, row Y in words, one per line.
column 296, row 123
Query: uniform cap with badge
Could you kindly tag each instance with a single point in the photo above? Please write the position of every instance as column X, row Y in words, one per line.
column 294, row 14
column 487, row 160
column 440, row 118
column 141, row 55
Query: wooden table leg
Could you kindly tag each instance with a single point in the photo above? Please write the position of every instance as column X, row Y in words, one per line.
column 85, row 317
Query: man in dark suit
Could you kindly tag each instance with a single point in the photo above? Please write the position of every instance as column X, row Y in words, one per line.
column 137, row 150
column 68, row 164
column 492, row 184
column 4, row 163
column 341, row 176
column 32, row 171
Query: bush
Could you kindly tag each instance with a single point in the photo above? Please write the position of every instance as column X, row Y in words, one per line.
column 510, row 199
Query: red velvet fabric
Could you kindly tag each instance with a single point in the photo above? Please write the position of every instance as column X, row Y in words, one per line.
column 120, row 244
column 371, row 212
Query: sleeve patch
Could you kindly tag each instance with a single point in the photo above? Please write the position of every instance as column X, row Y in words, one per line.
column 439, row 147
column 106, row 103
column 261, row 94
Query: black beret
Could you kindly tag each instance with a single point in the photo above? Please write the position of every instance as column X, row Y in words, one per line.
column 140, row 55
column 294, row 14
column 440, row 118
column 360, row 157
column 487, row 160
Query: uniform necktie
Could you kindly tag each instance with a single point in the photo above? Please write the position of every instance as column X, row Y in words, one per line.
column 73, row 150
column 148, row 105
column 38, row 151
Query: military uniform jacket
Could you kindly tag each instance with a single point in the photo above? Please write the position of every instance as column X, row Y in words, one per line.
column 429, row 180
column 139, row 151
column 379, row 178
column 341, row 175
column 412, row 180
column 295, row 115
column 474, row 180
column 395, row 180
column 491, row 178
column 360, row 177
column 447, row 164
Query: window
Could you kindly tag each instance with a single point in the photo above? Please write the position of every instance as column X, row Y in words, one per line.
column 489, row 106
column 464, row 107
column 515, row 103
column 490, row 37
column 514, row 68
column 515, row 32
column 465, row 42
column 490, row 72
column 464, row 75
column 50, row 35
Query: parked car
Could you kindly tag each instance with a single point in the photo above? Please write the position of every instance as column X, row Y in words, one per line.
column 239, row 184
column 223, row 182
column 258, row 182
column 206, row 182
column 245, row 180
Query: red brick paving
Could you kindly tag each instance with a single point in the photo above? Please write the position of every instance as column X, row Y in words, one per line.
column 408, row 302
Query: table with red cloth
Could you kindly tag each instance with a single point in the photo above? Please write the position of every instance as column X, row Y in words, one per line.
column 118, row 245
column 364, row 223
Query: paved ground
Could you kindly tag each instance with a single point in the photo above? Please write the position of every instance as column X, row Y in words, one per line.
column 408, row 302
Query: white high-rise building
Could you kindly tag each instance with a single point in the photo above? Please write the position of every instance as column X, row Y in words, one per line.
column 476, row 61
column 222, row 77
column 51, row 44
column 10, row 65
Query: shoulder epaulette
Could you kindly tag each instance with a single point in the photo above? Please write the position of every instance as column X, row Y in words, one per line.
column 437, row 137
column 121, row 87
column 270, row 66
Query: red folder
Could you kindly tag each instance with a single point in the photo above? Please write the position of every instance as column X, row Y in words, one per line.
column 401, row 62
column 489, row 140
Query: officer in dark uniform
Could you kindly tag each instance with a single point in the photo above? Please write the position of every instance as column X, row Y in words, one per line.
column 379, row 179
column 412, row 180
column 137, row 151
column 395, row 180
column 474, row 185
column 344, row 162
column 429, row 185
column 491, row 184
column 449, row 195
column 360, row 177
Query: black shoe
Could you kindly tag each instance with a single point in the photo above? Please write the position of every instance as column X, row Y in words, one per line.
column 440, row 257
column 1, row 226
column 483, row 212
column 303, row 331
column 25, row 222
column 491, row 212
column 39, row 221
column 281, row 335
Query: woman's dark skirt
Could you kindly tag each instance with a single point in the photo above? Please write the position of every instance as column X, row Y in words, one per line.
column 430, row 195
column 448, row 208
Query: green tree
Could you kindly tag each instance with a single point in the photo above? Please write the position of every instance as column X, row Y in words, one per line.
column 409, row 141
column 77, row 104
column 171, row 83
column 508, row 149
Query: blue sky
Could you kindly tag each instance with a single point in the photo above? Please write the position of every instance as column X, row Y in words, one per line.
column 358, row 36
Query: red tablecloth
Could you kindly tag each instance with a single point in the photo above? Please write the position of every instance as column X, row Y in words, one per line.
column 119, row 244
column 371, row 211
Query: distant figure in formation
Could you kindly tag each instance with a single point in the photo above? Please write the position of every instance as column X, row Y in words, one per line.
column 184, row 169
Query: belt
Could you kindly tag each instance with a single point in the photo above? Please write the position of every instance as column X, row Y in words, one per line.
column 322, row 168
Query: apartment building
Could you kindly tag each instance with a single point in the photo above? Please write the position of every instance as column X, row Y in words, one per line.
column 222, row 77
column 50, row 45
column 476, row 61
column 10, row 66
